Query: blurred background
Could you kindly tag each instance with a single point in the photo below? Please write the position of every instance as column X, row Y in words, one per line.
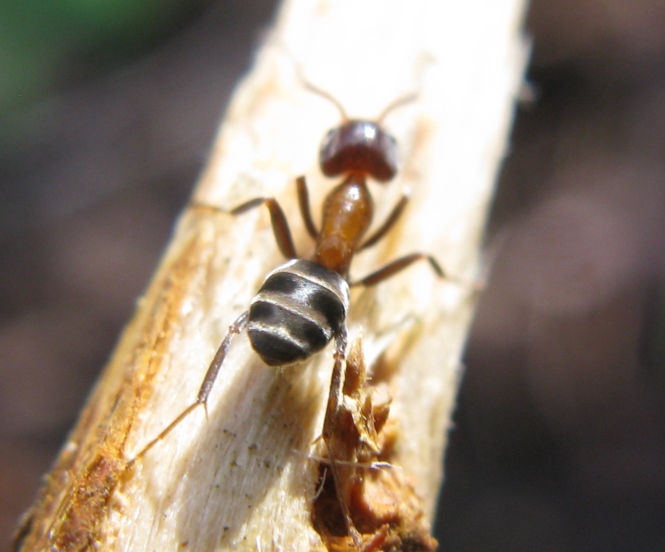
column 107, row 112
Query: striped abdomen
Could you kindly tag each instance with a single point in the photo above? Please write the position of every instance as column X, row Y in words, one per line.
column 300, row 307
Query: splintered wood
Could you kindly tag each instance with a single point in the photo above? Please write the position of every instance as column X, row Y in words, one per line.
column 366, row 503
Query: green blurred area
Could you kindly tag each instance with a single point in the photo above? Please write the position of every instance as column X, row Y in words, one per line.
column 47, row 44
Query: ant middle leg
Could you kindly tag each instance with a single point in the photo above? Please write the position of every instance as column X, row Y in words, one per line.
column 396, row 266
column 305, row 209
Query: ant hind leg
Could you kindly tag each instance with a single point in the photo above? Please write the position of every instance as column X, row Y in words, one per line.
column 202, row 398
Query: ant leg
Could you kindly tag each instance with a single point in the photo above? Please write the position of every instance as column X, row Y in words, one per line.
column 394, row 267
column 346, row 513
column 332, row 410
column 387, row 225
column 305, row 210
column 211, row 375
column 280, row 226
column 336, row 384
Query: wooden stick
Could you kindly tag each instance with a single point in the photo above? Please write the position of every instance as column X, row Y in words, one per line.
column 245, row 478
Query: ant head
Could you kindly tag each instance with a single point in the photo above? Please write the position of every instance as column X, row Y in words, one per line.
column 360, row 147
column 357, row 145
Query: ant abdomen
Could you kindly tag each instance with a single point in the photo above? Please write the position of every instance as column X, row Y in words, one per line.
column 300, row 307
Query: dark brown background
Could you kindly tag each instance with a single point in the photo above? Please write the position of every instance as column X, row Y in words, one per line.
column 559, row 442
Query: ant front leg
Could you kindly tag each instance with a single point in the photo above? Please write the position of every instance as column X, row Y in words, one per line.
column 305, row 209
column 388, row 224
column 202, row 398
column 280, row 225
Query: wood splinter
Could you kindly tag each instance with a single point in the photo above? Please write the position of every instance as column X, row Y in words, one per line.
column 366, row 504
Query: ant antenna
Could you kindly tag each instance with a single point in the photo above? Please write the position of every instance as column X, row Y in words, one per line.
column 402, row 100
column 313, row 88
column 308, row 85
column 422, row 62
column 320, row 92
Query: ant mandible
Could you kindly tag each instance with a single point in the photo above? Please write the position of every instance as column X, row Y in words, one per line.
column 303, row 304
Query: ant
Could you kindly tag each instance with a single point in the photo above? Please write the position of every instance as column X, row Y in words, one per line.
column 303, row 304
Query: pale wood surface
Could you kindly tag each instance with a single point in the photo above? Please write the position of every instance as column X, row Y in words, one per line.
column 244, row 480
